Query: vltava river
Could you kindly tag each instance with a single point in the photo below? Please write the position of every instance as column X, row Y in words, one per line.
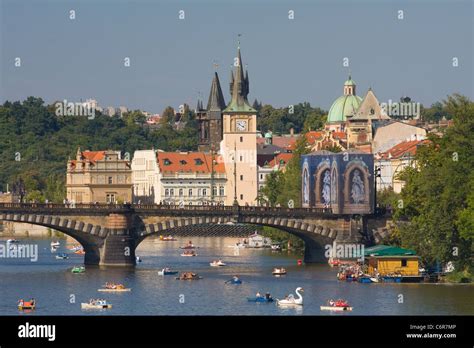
column 59, row 292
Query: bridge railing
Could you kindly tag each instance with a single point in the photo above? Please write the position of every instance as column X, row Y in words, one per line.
column 157, row 207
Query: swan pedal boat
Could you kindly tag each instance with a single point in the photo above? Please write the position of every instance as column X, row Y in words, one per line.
column 291, row 300
column 167, row 271
column 100, row 304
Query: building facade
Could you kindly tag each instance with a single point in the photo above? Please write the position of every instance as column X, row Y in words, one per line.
column 98, row 176
column 342, row 182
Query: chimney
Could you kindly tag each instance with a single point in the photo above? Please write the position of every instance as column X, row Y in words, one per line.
column 292, row 131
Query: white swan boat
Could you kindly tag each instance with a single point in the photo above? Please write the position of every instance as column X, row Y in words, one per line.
column 290, row 300
column 96, row 304
column 217, row 263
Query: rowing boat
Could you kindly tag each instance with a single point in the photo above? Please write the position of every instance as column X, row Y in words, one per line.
column 336, row 309
column 115, row 290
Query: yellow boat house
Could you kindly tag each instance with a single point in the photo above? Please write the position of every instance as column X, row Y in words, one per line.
column 387, row 260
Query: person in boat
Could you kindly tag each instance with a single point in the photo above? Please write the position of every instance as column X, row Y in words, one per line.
column 258, row 294
column 268, row 296
column 235, row 278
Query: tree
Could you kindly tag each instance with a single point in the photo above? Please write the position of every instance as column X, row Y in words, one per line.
column 437, row 197
column 167, row 116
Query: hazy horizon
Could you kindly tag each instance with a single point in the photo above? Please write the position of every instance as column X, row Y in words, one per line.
column 289, row 61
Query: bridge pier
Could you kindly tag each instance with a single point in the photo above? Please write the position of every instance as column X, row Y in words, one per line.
column 118, row 250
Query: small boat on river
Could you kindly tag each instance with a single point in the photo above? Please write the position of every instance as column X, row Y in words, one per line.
column 112, row 287
column 235, row 280
column 96, row 304
column 261, row 298
column 337, row 306
column 62, row 256
column 290, row 300
column 189, row 246
column 188, row 276
column 78, row 269
column 167, row 271
column 26, row 305
column 189, row 253
column 55, row 244
column 279, row 271
column 217, row 263
column 168, row 238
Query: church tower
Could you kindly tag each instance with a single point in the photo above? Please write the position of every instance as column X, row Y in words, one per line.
column 239, row 144
column 210, row 119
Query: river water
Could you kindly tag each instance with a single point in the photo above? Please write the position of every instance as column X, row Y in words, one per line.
column 59, row 292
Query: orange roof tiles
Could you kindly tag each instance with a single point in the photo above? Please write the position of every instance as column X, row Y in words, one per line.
column 402, row 149
column 191, row 162
column 285, row 157
column 93, row 156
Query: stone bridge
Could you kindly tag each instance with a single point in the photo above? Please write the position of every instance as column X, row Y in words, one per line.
column 111, row 233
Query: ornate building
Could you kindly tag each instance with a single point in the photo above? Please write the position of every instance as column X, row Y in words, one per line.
column 98, row 176
column 210, row 119
column 343, row 182
column 239, row 144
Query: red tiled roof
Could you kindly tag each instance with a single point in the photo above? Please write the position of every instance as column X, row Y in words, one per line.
column 402, row 149
column 93, row 156
column 190, row 162
column 285, row 157
column 280, row 141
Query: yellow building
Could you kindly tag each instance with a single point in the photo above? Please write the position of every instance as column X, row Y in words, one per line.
column 387, row 260
column 99, row 176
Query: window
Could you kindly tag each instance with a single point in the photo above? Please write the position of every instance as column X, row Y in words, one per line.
column 167, row 192
column 180, row 192
column 199, row 193
column 110, row 197
column 214, row 191
column 261, row 176
column 241, row 158
column 204, row 192
column 110, row 180
column 182, row 162
column 190, row 192
column 221, row 190
column 198, row 161
column 241, row 178
column 241, row 196
column 167, row 162
column 404, row 262
column 171, row 192
column 241, row 139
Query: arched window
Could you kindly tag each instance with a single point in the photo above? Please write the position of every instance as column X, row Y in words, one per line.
column 190, row 192
column 204, row 192
column 167, row 193
column 171, row 192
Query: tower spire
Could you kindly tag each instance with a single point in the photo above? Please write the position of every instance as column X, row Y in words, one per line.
column 216, row 98
column 239, row 86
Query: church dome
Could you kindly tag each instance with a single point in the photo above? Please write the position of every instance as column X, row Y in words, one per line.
column 345, row 105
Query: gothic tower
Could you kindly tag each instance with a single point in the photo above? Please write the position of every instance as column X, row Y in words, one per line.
column 210, row 119
column 239, row 144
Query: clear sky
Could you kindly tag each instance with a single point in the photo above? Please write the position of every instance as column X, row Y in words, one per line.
column 289, row 61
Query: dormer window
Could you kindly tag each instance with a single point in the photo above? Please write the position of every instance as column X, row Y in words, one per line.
column 167, row 162
column 182, row 162
column 198, row 161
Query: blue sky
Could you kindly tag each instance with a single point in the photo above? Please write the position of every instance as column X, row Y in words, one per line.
column 289, row 61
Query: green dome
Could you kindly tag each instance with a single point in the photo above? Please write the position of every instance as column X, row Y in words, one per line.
column 342, row 107
column 349, row 82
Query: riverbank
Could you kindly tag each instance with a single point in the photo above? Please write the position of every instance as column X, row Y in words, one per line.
column 465, row 276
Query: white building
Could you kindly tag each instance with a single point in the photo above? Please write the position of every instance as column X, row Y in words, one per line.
column 145, row 177
column 178, row 178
